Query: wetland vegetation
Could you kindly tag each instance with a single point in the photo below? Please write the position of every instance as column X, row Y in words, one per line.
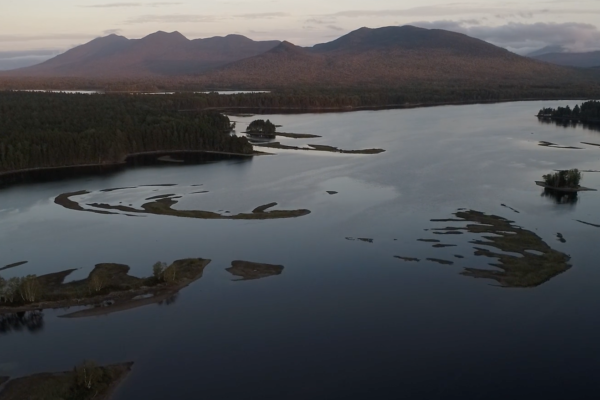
column 87, row 381
column 319, row 147
column 108, row 285
column 163, row 205
column 247, row 270
column 516, row 265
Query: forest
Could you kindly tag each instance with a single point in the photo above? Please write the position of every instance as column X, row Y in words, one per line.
column 56, row 129
column 587, row 112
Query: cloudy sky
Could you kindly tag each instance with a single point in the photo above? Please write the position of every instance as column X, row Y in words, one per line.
column 34, row 30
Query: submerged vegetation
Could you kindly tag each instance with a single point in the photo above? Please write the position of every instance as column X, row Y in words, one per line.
column 319, row 147
column 163, row 205
column 523, row 258
column 86, row 381
column 105, row 283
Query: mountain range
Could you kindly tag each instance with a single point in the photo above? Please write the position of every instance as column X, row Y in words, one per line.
column 157, row 54
column 382, row 57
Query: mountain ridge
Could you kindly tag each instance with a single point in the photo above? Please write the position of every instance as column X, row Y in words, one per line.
column 160, row 53
column 367, row 57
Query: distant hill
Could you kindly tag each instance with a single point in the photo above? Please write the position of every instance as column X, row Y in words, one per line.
column 581, row 60
column 158, row 54
column 376, row 58
column 384, row 57
column 547, row 50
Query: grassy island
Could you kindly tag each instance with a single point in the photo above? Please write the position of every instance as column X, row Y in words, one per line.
column 163, row 205
column 108, row 286
column 320, row 147
column 247, row 270
column 85, row 382
column 535, row 264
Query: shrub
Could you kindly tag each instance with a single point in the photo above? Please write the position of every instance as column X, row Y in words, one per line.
column 11, row 289
column 97, row 282
column 30, row 288
column 570, row 178
column 170, row 274
column 158, row 270
column 2, row 288
column 87, row 376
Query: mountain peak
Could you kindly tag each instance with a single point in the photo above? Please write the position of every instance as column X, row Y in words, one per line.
column 166, row 37
column 287, row 47
column 407, row 37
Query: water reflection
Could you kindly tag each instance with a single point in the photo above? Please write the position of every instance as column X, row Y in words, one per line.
column 559, row 197
column 32, row 321
column 569, row 124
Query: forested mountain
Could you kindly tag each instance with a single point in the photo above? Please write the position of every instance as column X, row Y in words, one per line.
column 157, row 54
column 391, row 56
column 56, row 129
column 582, row 60
column 418, row 64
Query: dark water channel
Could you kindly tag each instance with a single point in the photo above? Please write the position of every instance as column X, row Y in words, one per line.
column 345, row 319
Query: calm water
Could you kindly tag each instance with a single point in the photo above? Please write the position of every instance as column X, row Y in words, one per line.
column 345, row 319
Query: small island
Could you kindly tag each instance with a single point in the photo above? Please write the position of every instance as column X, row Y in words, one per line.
column 564, row 181
column 108, row 287
column 247, row 270
column 261, row 129
column 85, row 382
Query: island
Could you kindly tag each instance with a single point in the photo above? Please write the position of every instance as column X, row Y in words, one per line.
column 85, row 382
column 564, row 181
column 163, row 205
column 247, row 270
column 108, row 287
column 261, row 129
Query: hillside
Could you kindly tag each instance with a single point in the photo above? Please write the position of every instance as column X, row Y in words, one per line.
column 391, row 56
column 581, row 60
column 158, row 54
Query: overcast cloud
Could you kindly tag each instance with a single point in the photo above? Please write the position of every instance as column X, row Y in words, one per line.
column 524, row 38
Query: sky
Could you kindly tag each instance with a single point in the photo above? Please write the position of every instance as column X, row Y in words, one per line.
column 34, row 30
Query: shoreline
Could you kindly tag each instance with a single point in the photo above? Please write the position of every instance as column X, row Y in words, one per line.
column 316, row 110
column 111, row 165
column 121, row 300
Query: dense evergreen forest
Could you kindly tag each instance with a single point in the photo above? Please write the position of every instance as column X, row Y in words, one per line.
column 587, row 112
column 56, row 129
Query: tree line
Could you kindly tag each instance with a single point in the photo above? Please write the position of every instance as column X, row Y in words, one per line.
column 587, row 112
column 57, row 129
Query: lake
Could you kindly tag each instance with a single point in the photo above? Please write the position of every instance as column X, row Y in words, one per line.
column 346, row 319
